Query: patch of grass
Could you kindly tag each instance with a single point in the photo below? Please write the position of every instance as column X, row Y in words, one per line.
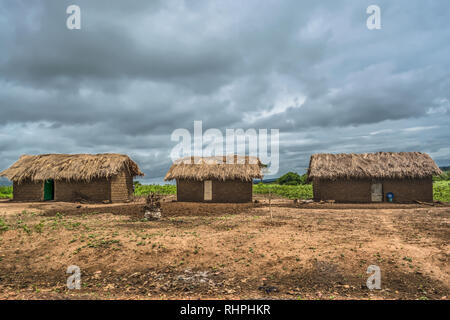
column 104, row 243
column 72, row 225
column 441, row 191
column 38, row 227
column 24, row 227
column 407, row 259
column 3, row 225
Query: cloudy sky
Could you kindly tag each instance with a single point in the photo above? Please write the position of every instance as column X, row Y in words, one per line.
column 138, row 70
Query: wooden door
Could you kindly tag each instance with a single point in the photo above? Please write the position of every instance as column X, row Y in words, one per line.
column 207, row 190
column 376, row 192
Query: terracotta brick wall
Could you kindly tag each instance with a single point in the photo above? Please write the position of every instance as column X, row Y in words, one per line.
column 232, row 191
column 95, row 190
column 121, row 187
column 405, row 190
column 28, row 191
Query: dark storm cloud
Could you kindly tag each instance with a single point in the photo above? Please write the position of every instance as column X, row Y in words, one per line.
column 137, row 70
column 111, row 44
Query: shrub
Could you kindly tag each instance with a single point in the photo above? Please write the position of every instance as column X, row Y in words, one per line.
column 441, row 191
column 292, row 179
column 445, row 176
column 6, row 192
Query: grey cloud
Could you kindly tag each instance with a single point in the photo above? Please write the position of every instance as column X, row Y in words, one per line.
column 140, row 69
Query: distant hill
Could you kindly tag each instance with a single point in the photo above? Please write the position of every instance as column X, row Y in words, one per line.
column 445, row 168
column 256, row 181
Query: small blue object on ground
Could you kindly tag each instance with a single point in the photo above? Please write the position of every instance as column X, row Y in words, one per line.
column 390, row 197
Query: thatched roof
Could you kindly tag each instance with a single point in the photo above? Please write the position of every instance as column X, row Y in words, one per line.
column 74, row 167
column 378, row 165
column 211, row 168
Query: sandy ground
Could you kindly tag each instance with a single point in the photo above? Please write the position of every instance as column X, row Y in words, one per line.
column 230, row 251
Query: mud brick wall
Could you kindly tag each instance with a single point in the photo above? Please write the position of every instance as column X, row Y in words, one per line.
column 28, row 191
column 121, row 187
column 232, row 191
column 405, row 190
column 94, row 190
column 408, row 190
column 342, row 190
column 189, row 190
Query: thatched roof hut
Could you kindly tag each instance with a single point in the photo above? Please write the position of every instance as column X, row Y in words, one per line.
column 215, row 179
column 243, row 168
column 335, row 174
column 68, row 176
column 71, row 167
column 380, row 165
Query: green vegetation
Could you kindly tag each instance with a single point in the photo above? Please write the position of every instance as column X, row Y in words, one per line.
column 142, row 190
column 287, row 191
column 6, row 192
column 441, row 186
column 3, row 225
column 292, row 179
column 445, row 176
column 441, row 190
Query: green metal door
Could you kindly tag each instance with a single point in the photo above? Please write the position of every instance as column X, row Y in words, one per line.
column 49, row 190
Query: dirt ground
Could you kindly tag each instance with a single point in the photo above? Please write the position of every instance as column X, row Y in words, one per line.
column 224, row 251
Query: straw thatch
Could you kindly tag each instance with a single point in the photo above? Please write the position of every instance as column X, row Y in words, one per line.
column 71, row 167
column 388, row 165
column 216, row 168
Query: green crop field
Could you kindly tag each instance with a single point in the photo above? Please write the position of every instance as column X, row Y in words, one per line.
column 302, row 191
column 144, row 189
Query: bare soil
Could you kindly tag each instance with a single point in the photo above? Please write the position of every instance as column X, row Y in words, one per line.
column 229, row 251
